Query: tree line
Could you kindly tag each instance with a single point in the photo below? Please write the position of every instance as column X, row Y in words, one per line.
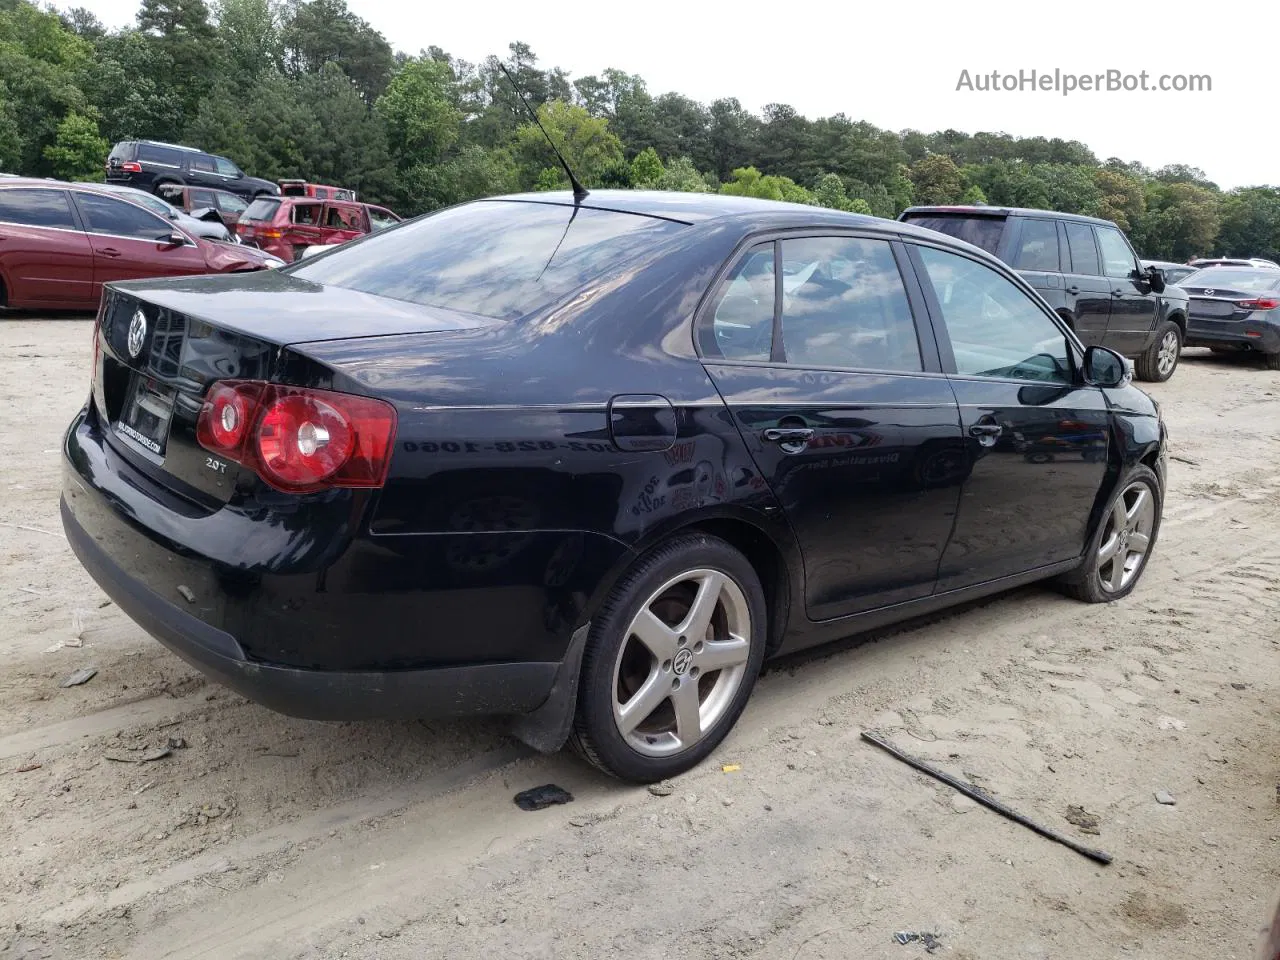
column 305, row 88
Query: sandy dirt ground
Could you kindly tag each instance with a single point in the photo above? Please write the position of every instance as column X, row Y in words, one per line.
column 262, row 836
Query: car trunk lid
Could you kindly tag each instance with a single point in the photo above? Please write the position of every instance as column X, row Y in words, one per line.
column 160, row 346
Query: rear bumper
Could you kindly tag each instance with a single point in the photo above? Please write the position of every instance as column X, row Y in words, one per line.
column 501, row 688
column 320, row 621
column 1261, row 336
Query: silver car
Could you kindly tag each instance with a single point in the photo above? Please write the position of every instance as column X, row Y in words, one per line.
column 206, row 229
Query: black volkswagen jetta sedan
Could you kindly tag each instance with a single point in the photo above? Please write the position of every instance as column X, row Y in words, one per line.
column 587, row 464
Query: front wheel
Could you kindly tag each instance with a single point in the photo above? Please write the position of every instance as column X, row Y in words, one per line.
column 1119, row 550
column 1157, row 363
column 671, row 660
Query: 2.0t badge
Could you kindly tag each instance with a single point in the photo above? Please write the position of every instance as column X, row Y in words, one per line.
column 137, row 333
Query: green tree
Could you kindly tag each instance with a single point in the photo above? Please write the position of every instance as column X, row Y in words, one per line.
column 250, row 32
column 1250, row 223
column 749, row 182
column 421, row 118
column 182, row 32
column 320, row 32
column 1122, row 199
column 77, row 152
column 681, row 175
column 647, row 169
column 936, row 179
column 974, row 196
column 1182, row 220
column 585, row 141
column 829, row 191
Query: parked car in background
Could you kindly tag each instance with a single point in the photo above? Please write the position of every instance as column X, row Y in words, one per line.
column 590, row 461
column 1204, row 262
column 60, row 242
column 1173, row 272
column 149, row 165
column 287, row 225
column 1235, row 309
column 209, row 229
column 228, row 206
column 1086, row 270
column 317, row 191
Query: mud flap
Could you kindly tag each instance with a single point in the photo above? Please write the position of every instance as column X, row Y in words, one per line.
column 547, row 728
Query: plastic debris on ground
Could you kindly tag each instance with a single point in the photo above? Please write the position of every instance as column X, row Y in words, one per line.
column 539, row 798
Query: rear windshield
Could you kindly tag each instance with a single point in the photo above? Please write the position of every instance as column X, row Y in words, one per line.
column 293, row 189
column 499, row 259
column 1234, row 278
column 984, row 232
column 122, row 151
column 261, row 209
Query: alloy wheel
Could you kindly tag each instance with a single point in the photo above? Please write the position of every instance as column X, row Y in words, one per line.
column 1167, row 356
column 1127, row 537
column 681, row 663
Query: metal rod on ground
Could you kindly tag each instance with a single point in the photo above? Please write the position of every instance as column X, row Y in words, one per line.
column 986, row 800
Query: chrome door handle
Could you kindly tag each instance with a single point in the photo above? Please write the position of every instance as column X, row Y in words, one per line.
column 986, row 430
column 788, row 435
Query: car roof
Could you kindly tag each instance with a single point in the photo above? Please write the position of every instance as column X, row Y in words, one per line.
column 986, row 211
column 693, row 208
column 171, row 146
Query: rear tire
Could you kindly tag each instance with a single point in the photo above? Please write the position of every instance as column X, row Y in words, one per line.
column 1157, row 363
column 1271, row 361
column 1118, row 552
column 671, row 660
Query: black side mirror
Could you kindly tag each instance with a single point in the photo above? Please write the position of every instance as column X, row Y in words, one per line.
column 1153, row 278
column 1106, row 368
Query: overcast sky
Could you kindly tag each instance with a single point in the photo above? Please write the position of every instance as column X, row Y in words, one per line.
column 898, row 64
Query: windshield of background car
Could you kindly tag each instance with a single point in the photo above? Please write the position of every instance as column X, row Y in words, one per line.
column 498, row 259
column 261, row 209
column 1234, row 278
column 984, row 232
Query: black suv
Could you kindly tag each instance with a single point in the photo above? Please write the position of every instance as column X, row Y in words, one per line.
column 149, row 165
column 1086, row 270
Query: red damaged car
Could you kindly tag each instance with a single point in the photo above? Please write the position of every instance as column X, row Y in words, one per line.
column 60, row 242
column 285, row 226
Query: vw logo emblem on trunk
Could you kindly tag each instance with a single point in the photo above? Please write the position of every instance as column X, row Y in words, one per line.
column 137, row 333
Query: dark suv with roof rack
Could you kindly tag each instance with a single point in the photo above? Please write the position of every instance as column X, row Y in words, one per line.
column 1086, row 270
column 150, row 165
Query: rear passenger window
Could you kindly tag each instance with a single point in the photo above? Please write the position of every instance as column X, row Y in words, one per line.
column 742, row 322
column 150, row 153
column 307, row 213
column 1038, row 248
column 1084, row 252
column 844, row 305
column 36, row 208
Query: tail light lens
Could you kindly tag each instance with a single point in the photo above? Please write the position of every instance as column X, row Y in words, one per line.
column 1260, row 303
column 131, row 167
column 299, row 440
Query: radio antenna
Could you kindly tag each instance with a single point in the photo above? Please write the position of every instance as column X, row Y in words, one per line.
column 579, row 191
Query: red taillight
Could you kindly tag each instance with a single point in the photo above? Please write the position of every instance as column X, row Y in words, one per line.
column 1261, row 303
column 131, row 167
column 299, row 440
